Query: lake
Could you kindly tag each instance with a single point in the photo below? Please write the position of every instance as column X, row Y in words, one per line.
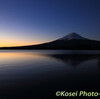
column 38, row 74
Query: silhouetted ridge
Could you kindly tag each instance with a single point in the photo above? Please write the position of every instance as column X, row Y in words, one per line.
column 72, row 41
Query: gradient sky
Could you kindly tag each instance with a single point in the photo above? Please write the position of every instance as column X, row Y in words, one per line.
column 26, row 22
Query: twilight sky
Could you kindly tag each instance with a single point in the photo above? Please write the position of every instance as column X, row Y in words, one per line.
column 26, row 22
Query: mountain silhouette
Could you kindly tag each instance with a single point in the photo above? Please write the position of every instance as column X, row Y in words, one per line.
column 71, row 41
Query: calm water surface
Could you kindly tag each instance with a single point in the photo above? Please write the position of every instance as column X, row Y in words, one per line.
column 38, row 74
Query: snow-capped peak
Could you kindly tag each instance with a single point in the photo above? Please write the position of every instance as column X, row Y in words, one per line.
column 73, row 36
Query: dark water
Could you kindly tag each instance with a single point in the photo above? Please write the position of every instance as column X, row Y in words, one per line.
column 38, row 74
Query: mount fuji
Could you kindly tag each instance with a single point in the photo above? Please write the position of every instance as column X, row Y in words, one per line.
column 72, row 41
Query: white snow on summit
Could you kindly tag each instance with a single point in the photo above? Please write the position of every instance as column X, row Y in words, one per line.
column 72, row 36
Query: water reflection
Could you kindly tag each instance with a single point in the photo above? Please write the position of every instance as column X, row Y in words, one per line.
column 25, row 74
column 76, row 59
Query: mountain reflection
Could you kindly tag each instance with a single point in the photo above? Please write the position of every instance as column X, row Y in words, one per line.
column 35, row 71
column 75, row 59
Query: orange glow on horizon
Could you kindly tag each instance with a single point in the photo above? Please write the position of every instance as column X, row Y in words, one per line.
column 11, row 39
column 14, row 43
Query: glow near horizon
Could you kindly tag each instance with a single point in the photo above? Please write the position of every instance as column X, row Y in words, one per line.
column 18, row 40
